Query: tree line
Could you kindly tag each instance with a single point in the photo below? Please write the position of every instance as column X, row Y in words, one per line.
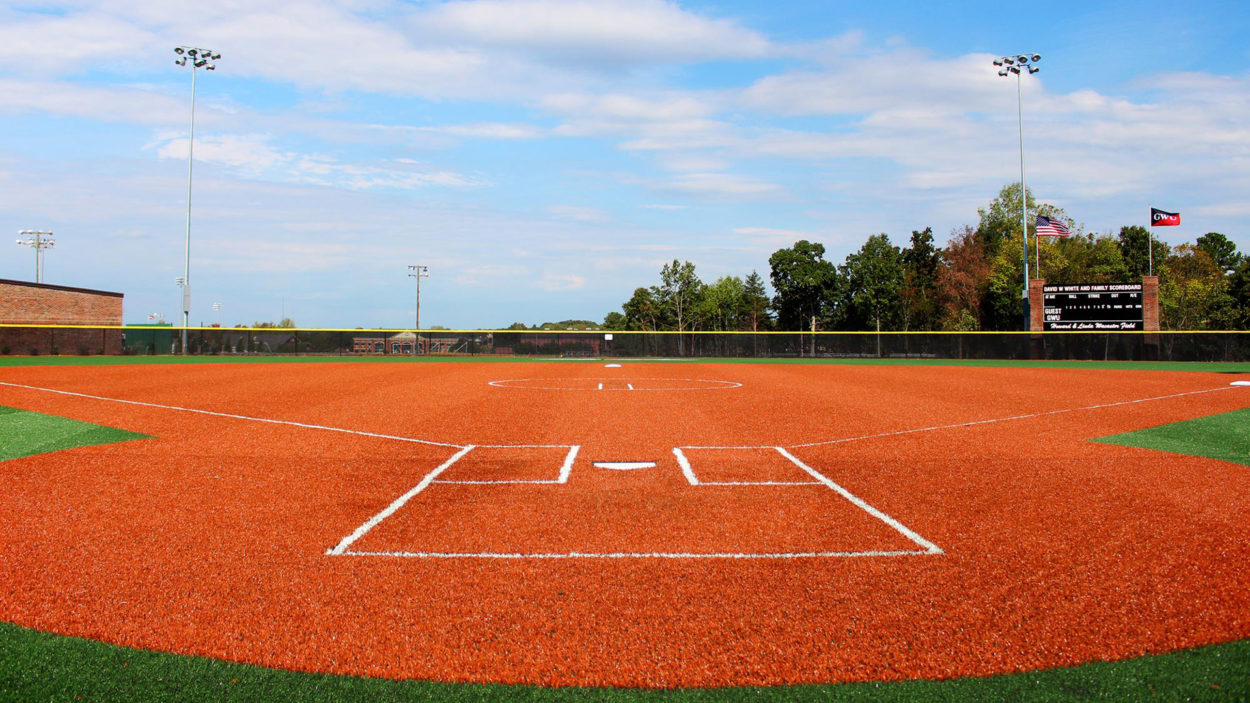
column 975, row 282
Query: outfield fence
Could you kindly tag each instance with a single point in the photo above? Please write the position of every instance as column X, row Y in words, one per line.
column 237, row 341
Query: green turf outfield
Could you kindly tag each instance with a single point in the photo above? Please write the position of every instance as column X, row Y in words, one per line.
column 1225, row 437
column 25, row 433
column 40, row 666
column 37, row 666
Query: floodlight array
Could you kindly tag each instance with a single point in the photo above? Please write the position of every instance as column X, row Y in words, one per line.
column 199, row 58
column 1013, row 65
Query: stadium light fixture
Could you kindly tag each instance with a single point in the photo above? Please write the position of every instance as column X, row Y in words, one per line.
column 37, row 240
column 200, row 58
column 1017, row 62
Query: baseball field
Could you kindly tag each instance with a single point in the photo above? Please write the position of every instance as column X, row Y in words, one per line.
column 553, row 529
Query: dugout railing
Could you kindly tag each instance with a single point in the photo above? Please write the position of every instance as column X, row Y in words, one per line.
column 34, row 340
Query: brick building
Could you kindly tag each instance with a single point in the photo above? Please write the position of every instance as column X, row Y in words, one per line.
column 23, row 303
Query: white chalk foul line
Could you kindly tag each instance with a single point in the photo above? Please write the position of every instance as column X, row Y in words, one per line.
column 991, row 421
column 397, row 504
column 232, row 416
column 929, row 547
column 631, row 555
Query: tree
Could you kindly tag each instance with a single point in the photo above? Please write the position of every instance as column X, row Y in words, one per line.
column 615, row 321
column 680, row 289
column 1221, row 250
column 755, row 301
column 722, row 303
column 1239, row 290
column 1193, row 293
column 1083, row 259
column 1137, row 254
column 873, row 277
column 1002, row 308
column 962, row 280
column 643, row 310
column 804, row 283
column 918, row 294
column 1001, row 217
column 516, row 326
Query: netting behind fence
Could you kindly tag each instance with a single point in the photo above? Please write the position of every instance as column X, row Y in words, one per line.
column 165, row 340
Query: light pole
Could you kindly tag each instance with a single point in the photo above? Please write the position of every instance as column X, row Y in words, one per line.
column 196, row 58
column 37, row 240
column 418, row 272
column 1018, row 65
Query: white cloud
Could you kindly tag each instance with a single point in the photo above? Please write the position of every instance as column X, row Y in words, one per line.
column 603, row 32
column 109, row 104
column 578, row 214
column 772, row 235
column 486, row 130
column 254, row 156
column 719, row 186
column 71, row 42
column 561, row 282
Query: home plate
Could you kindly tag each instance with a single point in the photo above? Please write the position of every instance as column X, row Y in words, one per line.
column 624, row 465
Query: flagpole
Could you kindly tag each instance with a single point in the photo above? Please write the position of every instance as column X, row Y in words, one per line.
column 1150, row 244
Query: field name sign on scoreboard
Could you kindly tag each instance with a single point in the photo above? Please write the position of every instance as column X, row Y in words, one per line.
column 1094, row 306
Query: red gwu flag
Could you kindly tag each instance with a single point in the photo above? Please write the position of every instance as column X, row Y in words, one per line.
column 1159, row 218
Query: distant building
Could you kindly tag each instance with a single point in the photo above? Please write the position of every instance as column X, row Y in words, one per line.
column 28, row 304
column 408, row 342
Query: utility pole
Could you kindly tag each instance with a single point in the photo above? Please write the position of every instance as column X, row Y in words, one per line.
column 418, row 272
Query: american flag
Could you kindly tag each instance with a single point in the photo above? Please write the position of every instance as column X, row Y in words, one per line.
column 1046, row 227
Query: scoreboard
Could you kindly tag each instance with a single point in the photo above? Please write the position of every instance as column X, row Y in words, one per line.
column 1093, row 307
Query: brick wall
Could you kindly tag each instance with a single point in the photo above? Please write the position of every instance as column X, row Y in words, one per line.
column 24, row 303
column 1037, row 304
column 1150, row 303
column 43, row 304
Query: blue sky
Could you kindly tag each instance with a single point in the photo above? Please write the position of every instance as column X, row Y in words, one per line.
column 545, row 157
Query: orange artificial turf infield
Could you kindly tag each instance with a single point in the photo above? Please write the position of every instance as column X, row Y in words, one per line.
column 212, row 537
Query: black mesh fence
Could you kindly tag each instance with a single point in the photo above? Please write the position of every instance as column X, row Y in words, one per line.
column 166, row 340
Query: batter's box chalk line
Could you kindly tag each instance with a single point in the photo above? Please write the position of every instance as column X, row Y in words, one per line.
column 923, row 546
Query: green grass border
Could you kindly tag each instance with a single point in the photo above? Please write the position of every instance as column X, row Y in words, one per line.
column 42, row 666
column 25, row 433
column 1225, row 436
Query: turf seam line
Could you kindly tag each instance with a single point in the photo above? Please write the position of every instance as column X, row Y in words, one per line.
column 994, row 420
column 397, row 503
column 233, row 416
